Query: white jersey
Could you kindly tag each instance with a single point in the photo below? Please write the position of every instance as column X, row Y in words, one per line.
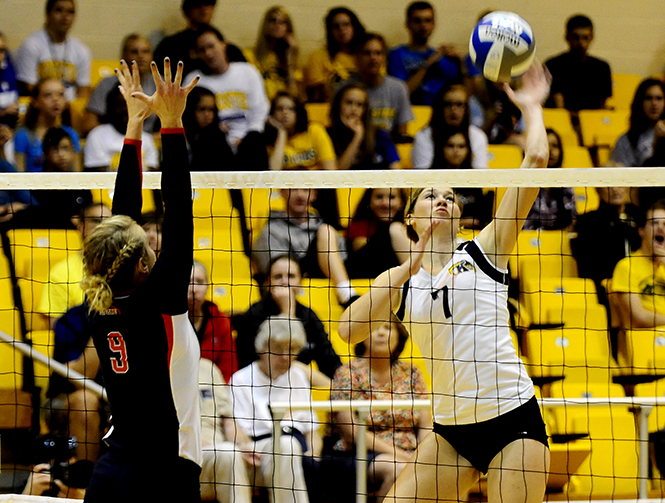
column 459, row 320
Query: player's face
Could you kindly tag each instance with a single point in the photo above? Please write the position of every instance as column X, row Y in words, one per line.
column 139, row 50
column 654, row 103
column 277, row 26
column 455, row 151
column 51, row 98
column 352, row 104
column 61, row 17
column 280, row 358
column 61, row 156
column 383, row 341
column 555, row 150
column 342, row 29
column 285, row 113
column 205, row 111
column 579, row 40
column 371, row 58
column 454, row 107
column 211, row 51
column 435, row 204
column 198, row 288
column 385, row 203
column 653, row 233
column 421, row 25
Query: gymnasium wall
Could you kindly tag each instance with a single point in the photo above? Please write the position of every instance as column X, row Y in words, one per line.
column 629, row 34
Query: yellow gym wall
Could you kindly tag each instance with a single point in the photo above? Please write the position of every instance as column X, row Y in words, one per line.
column 629, row 34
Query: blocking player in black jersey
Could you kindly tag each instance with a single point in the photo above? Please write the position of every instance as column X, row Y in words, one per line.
column 147, row 347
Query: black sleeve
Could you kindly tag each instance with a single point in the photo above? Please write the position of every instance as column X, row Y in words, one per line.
column 321, row 350
column 128, row 199
column 173, row 269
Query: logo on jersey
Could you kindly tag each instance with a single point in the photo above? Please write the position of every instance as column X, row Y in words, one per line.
column 460, row 267
column 109, row 312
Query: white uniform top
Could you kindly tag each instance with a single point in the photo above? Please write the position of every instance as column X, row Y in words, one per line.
column 459, row 320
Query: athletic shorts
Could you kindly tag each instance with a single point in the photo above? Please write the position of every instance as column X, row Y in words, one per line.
column 479, row 443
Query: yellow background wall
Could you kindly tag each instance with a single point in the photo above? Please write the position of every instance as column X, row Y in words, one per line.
column 629, row 34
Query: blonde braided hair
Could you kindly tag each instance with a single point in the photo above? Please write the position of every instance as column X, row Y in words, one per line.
column 110, row 253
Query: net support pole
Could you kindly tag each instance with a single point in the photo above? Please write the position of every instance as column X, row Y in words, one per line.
column 361, row 456
column 643, row 425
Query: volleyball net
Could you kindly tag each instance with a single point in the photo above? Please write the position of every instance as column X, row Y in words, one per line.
column 599, row 383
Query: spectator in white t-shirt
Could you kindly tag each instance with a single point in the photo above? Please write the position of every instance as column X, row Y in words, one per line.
column 241, row 102
column 104, row 144
column 53, row 53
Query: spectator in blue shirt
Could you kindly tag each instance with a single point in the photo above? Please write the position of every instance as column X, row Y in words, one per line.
column 8, row 87
column 425, row 69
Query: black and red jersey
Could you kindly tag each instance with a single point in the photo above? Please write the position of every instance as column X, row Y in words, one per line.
column 147, row 347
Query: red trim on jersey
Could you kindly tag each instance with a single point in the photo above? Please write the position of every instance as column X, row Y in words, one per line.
column 173, row 130
column 168, row 327
column 138, row 144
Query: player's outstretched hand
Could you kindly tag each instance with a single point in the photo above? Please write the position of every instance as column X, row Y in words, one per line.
column 170, row 96
column 416, row 258
column 130, row 82
column 535, row 87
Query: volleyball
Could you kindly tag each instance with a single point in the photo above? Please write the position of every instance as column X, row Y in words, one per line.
column 502, row 46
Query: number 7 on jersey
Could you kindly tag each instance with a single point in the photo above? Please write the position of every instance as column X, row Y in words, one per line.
column 117, row 345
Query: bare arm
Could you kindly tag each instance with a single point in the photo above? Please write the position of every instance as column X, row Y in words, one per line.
column 345, row 161
column 499, row 237
column 316, row 378
column 88, row 363
column 558, row 100
column 234, row 433
column 633, row 314
column 277, row 156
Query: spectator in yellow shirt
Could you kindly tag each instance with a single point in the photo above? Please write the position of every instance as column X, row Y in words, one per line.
column 335, row 62
column 638, row 284
column 62, row 291
column 276, row 54
column 293, row 143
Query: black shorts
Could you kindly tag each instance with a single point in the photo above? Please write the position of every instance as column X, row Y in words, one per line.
column 120, row 477
column 479, row 443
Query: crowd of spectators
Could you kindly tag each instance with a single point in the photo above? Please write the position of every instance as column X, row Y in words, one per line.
column 248, row 113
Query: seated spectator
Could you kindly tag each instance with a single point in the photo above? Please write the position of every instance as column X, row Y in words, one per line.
column 358, row 143
column 204, row 136
column 504, row 124
column 52, row 53
column 182, row 45
column 275, row 54
column 8, row 87
column 151, row 222
column 137, row 48
column 452, row 151
column 297, row 232
column 45, row 112
column 241, row 100
column 647, row 113
column 377, row 373
column 606, row 235
column 294, row 142
column 71, row 410
column 335, row 62
column 62, row 290
column 425, row 69
column 225, row 446
column 554, row 207
column 579, row 81
column 213, row 328
column 273, row 378
column 104, row 143
column 376, row 238
column 388, row 97
column 450, row 109
column 11, row 201
column 281, row 287
column 637, row 296
column 54, row 209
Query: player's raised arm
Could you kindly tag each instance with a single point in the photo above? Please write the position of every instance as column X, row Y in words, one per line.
column 499, row 237
column 127, row 198
column 174, row 266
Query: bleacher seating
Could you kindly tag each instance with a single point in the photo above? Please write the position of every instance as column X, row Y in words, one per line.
column 624, row 86
column 603, row 127
column 558, row 119
column 642, row 351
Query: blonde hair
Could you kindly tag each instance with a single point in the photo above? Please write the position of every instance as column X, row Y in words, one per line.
column 278, row 329
column 110, row 254
column 262, row 49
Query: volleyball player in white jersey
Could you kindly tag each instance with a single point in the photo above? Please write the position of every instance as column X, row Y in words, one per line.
column 453, row 301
